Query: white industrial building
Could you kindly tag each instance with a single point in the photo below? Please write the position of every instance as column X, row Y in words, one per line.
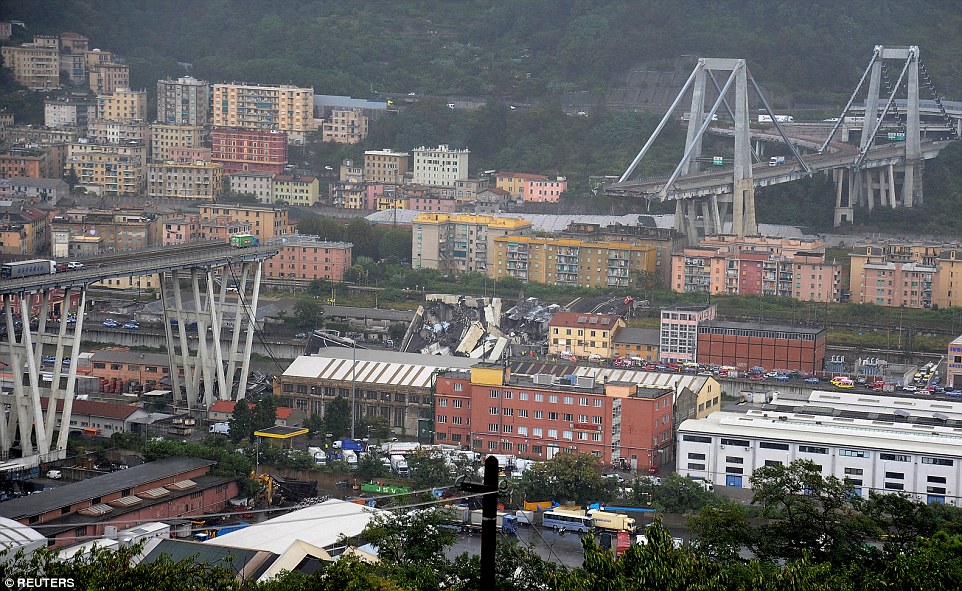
column 882, row 443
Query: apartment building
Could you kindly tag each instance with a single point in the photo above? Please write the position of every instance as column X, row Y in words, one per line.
column 583, row 335
column 380, row 197
column 345, row 126
column 118, row 230
column 35, row 66
column 636, row 343
column 538, row 416
column 307, row 258
column 68, row 112
column 254, row 183
column 679, row 331
column 421, row 198
column 102, row 131
column 946, row 287
column 440, row 166
column 458, row 242
column 108, row 78
column 659, row 242
column 266, row 223
column 108, row 169
column 184, row 101
column 27, row 161
column 270, row 108
column 296, row 190
column 37, row 189
column 23, row 231
column 571, row 261
column 167, row 137
column 385, row 166
column 757, row 266
column 181, row 230
column 71, row 42
column 185, row 180
column 249, row 150
column 899, row 274
column 123, row 104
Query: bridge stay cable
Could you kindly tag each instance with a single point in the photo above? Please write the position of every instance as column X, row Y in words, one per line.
column 841, row 118
column 714, row 81
column 879, row 118
column 778, row 126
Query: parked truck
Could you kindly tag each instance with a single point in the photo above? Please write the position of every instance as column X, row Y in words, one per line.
column 776, row 161
column 320, row 457
column 244, row 240
column 611, row 521
column 220, row 428
column 399, row 465
column 349, row 444
column 350, row 456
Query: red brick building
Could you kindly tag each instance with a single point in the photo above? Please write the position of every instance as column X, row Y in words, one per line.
column 249, row 149
column 536, row 417
column 746, row 345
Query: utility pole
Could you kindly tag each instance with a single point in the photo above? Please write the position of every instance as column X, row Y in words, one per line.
column 489, row 520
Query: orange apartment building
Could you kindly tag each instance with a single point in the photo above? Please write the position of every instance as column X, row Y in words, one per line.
column 308, row 258
column 386, row 166
column 901, row 274
column 267, row 223
column 492, row 411
column 27, row 162
column 757, row 266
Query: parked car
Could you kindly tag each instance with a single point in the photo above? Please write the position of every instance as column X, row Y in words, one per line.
column 132, row 325
column 811, row 380
column 48, row 360
column 301, row 335
column 909, row 388
column 110, row 324
column 781, row 378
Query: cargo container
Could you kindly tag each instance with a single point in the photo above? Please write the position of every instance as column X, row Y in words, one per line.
column 244, row 240
column 28, row 268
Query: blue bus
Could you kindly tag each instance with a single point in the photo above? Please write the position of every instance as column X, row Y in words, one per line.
column 563, row 520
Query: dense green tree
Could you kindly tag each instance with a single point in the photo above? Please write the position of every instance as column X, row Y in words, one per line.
column 568, row 477
column 370, row 467
column 337, row 417
column 241, row 422
column 308, row 313
column 314, row 425
column 721, row 531
column 375, row 427
column 429, row 468
column 411, row 546
column 678, row 494
column 807, row 512
column 265, row 413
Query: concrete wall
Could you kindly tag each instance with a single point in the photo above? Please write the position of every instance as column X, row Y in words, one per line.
column 147, row 338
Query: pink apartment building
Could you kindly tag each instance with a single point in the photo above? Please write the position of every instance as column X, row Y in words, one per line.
column 897, row 284
column 194, row 228
column 308, row 258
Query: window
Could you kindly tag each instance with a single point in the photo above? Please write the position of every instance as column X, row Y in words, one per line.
column 538, row 397
column 442, row 419
column 539, row 414
column 693, row 466
column 536, row 449
column 508, row 395
column 734, row 460
column 493, row 394
column 567, row 417
column 552, row 416
column 442, row 402
column 895, row 475
column 937, row 479
column 569, row 400
column 583, row 401
column 694, row 456
column 553, row 433
column 508, row 412
column 938, row 461
column 895, row 457
column 567, row 435
column 733, row 470
column 493, row 410
column 772, row 463
column 507, row 428
column 553, row 399
column 854, row 471
column 598, row 402
column 696, row 438
column 854, row 453
column 736, row 442
column 536, row 431
column 770, row 445
column 809, row 449
column 523, row 413
column 522, row 431
column 522, row 395
column 458, row 387
column 894, row 486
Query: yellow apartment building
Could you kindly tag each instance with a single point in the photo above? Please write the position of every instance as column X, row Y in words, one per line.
column 165, row 137
column 122, row 105
column 296, row 190
column 282, row 108
column 385, row 166
column 570, row 261
column 108, row 169
column 460, row 242
column 583, row 335
column 108, row 78
column 185, row 180
column 345, row 126
column 34, row 65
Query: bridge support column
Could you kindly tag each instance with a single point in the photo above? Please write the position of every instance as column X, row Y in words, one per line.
column 844, row 212
column 890, row 169
column 28, row 422
column 199, row 360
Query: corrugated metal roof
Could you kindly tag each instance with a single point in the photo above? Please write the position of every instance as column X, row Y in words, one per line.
column 650, row 379
column 374, row 367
